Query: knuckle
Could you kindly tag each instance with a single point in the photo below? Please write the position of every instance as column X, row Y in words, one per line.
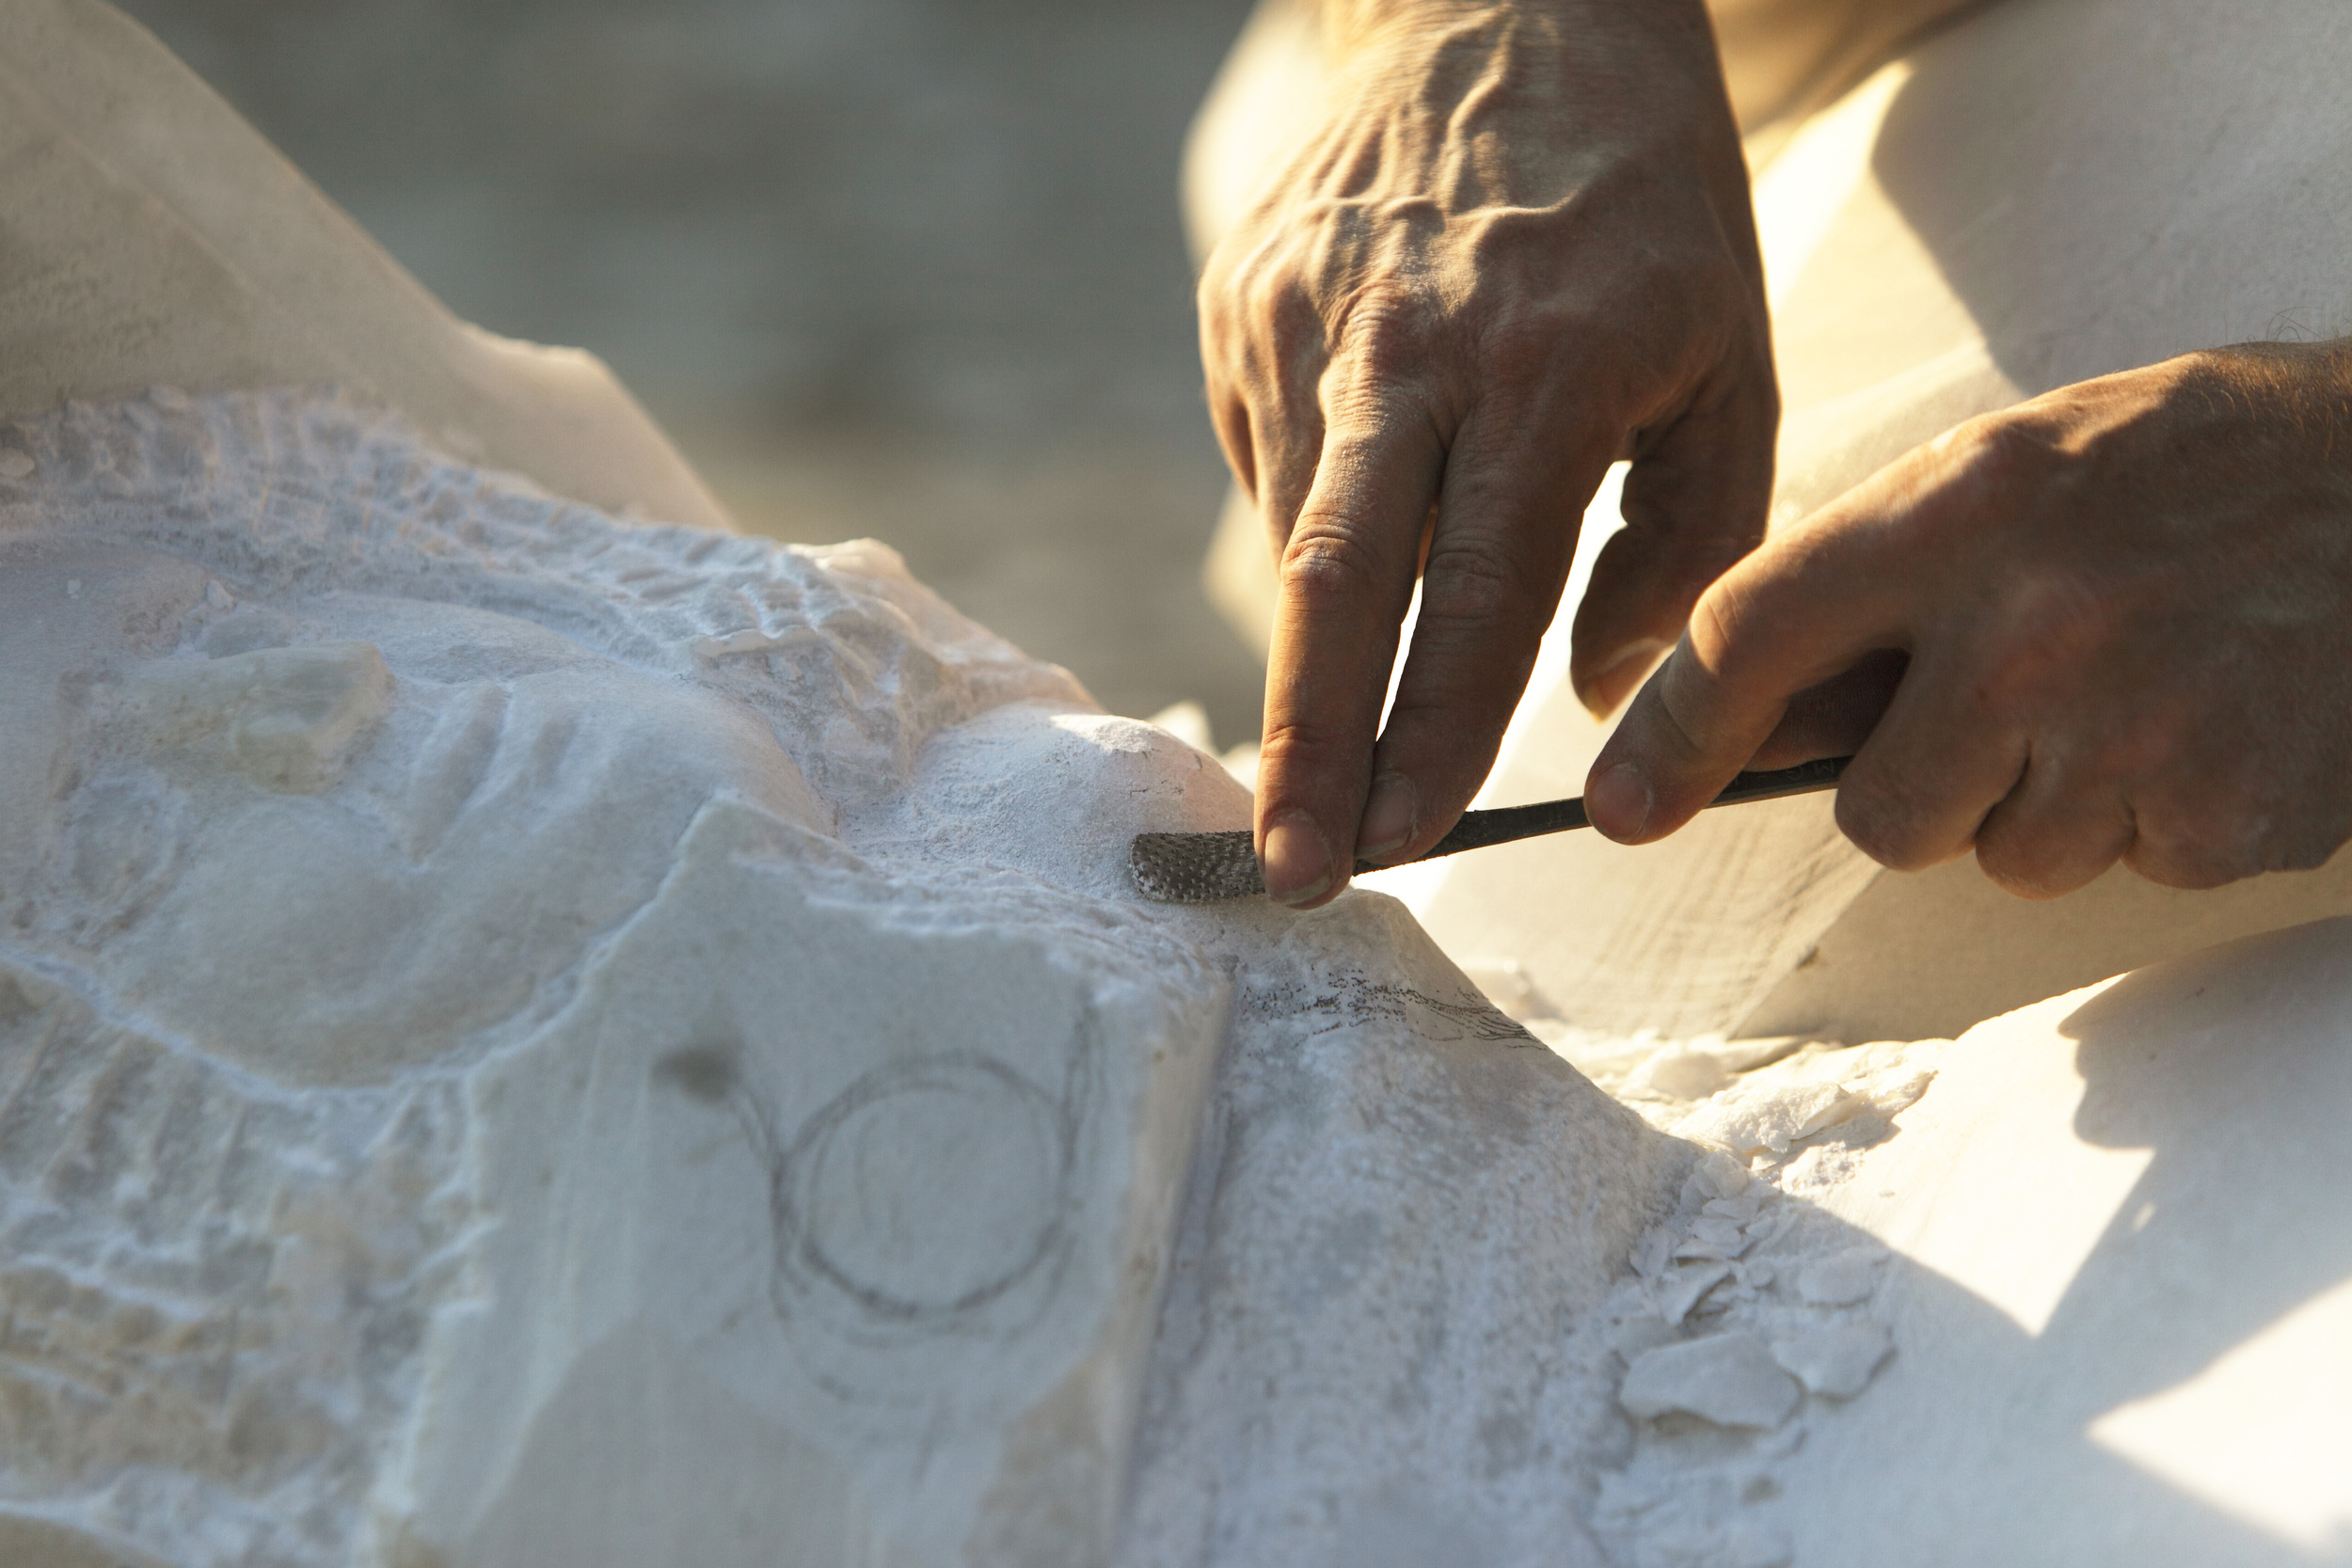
column 1520, row 348
column 1736, row 616
column 2205, row 844
column 2181, row 866
column 1883, row 824
column 2306, row 849
column 2035, row 865
column 1368, row 406
column 1992, row 457
column 2029, row 882
column 1302, row 762
column 1292, row 746
column 1382, row 328
column 1327, row 562
column 1721, row 617
column 1294, row 331
column 1454, row 719
column 1481, row 581
column 1686, row 318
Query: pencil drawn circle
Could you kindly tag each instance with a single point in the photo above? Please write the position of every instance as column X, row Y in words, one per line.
column 927, row 1188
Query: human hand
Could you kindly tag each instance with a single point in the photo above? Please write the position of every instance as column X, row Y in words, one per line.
column 2126, row 609
column 1520, row 248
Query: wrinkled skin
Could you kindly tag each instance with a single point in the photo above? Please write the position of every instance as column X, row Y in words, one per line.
column 1518, row 247
column 2113, row 623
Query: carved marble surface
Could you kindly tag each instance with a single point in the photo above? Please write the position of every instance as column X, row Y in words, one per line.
column 526, row 1037
column 533, row 1039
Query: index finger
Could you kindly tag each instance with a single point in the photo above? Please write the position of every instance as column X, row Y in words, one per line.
column 1806, row 606
column 1347, row 578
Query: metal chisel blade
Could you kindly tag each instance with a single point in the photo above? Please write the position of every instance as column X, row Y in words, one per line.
column 1208, row 868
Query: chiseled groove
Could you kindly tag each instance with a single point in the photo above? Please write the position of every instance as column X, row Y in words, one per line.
column 458, row 759
column 37, row 1058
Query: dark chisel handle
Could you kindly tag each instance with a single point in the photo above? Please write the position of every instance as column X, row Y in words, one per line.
column 1504, row 824
column 1203, row 868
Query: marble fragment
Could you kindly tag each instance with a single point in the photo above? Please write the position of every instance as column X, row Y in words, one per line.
column 1729, row 1379
column 1738, row 1210
column 1721, row 1178
column 1841, row 1279
column 1838, row 1360
column 1713, row 1236
column 1771, row 1118
column 1678, row 1075
column 1641, row 1332
column 1679, row 1290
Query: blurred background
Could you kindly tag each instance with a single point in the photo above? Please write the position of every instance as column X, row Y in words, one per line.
column 905, row 268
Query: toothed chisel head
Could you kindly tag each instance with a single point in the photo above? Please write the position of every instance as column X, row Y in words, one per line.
column 1194, row 868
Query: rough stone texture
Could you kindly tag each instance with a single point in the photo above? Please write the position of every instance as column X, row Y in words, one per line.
column 2114, row 1264
column 528, row 1038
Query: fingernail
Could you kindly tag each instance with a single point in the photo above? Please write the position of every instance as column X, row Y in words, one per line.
column 1618, row 802
column 1598, row 693
column 1297, row 861
column 1390, row 817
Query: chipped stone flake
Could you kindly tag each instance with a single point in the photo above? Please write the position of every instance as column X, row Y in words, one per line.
column 1729, row 1379
column 1721, row 1179
column 1738, row 1210
column 1679, row 1290
column 1838, row 1360
column 1678, row 1075
column 1840, row 1279
column 1771, row 1118
column 1713, row 1236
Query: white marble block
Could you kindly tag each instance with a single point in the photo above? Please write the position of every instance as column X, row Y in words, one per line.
column 529, row 1040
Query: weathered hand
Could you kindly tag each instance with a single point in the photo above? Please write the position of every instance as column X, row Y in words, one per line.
column 2127, row 613
column 1520, row 246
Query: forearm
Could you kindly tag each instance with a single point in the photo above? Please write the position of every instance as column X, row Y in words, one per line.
column 1520, row 99
column 1352, row 26
column 1779, row 57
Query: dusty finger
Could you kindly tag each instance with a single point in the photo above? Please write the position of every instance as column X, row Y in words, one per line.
column 2053, row 833
column 1694, row 503
column 1347, row 576
column 1504, row 533
column 1917, row 792
column 1835, row 717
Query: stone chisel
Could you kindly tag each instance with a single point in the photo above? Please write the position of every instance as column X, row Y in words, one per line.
column 1206, row 868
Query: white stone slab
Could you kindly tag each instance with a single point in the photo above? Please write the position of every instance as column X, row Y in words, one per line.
column 2115, row 1288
